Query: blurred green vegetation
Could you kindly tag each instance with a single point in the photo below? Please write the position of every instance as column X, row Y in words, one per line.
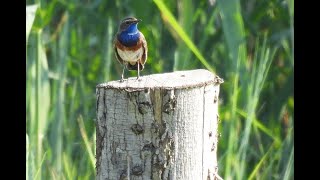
column 248, row 43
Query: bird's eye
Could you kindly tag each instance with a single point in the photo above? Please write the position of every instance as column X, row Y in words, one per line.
column 127, row 22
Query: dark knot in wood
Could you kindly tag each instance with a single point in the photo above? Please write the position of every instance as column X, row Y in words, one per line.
column 137, row 170
column 137, row 129
column 148, row 147
column 143, row 107
column 215, row 99
column 170, row 105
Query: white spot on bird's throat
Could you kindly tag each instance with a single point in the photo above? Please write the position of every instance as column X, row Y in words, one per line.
column 130, row 34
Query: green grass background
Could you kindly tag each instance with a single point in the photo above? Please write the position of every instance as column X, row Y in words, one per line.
column 248, row 43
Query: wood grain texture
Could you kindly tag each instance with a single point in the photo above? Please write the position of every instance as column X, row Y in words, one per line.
column 162, row 127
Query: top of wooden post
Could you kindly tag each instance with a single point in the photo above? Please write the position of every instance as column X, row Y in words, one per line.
column 172, row 80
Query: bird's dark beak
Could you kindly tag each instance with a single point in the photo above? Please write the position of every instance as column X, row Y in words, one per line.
column 138, row 20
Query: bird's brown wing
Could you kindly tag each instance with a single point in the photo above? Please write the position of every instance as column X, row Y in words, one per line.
column 144, row 57
column 116, row 41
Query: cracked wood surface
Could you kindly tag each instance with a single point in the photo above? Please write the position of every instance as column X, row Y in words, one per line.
column 161, row 127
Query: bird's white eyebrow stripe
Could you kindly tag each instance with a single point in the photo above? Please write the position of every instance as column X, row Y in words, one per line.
column 127, row 20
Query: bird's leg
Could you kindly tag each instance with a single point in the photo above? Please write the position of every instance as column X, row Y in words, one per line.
column 138, row 71
column 122, row 74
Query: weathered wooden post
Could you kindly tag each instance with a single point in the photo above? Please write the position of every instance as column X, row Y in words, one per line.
column 162, row 127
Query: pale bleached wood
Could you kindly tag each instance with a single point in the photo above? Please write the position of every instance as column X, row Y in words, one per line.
column 164, row 126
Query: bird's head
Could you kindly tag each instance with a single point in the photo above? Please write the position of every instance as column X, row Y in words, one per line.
column 129, row 25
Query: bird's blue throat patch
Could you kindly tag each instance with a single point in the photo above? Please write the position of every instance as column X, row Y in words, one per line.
column 130, row 36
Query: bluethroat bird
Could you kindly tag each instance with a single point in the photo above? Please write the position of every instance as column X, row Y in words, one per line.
column 130, row 46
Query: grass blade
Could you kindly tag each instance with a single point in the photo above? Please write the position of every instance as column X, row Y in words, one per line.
column 108, row 50
column 27, row 157
column 233, row 27
column 182, row 54
column 256, row 83
column 61, row 57
column 30, row 15
column 260, row 126
column 38, row 173
column 38, row 95
column 86, row 142
column 288, row 172
column 262, row 160
column 167, row 15
column 68, row 168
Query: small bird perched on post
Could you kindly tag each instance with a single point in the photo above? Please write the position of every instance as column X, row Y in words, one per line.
column 130, row 46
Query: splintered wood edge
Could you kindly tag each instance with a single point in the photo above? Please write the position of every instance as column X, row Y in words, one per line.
column 173, row 80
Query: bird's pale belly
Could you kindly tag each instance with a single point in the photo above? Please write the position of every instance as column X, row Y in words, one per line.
column 130, row 56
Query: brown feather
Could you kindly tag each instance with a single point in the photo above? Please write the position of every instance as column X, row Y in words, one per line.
column 144, row 57
column 116, row 52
